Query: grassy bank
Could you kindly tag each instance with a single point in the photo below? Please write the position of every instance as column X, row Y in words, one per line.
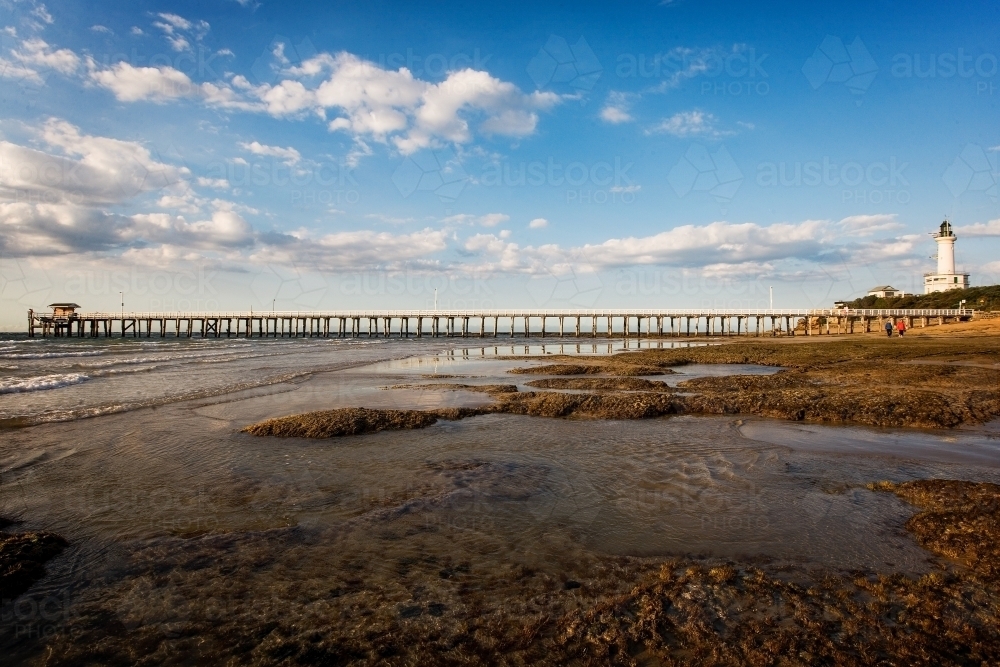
column 979, row 298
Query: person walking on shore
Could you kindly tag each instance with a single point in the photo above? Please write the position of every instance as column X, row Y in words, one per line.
column 901, row 327
column 888, row 328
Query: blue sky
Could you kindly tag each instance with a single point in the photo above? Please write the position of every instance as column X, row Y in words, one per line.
column 226, row 155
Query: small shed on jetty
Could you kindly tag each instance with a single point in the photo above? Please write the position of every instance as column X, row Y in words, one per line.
column 63, row 310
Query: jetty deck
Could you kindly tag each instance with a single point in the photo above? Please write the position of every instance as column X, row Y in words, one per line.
column 483, row 323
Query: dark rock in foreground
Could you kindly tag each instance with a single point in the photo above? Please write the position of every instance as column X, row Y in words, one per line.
column 22, row 560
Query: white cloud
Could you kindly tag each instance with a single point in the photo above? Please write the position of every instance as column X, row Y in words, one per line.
column 626, row 188
column 225, row 229
column 53, row 229
column 164, row 256
column 217, row 183
column 381, row 103
column 42, row 13
column 162, row 84
column 91, row 170
column 172, row 22
column 493, row 219
column 616, row 108
column 991, row 228
column 136, row 30
column 35, row 228
column 178, row 42
column 16, row 72
column 538, row 223
column 693, row 245
column 615, row 115
column 719, row 244
column 101, row 28
column 351, row 250
column 130, row 83
column 488, row 220
column 866, row 225
column 184, row 202
column 359, row 149
column 177, row 30
column 57, row 201
column 37, row 53
column 289, row 155
column 686, row 124
column 672, row 69
column 370, row 102
column 682, row 63
column 389, row 219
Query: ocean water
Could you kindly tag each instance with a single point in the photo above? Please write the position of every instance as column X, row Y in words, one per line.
column 185, row 532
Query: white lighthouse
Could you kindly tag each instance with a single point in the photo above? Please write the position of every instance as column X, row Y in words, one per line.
column 945, row 279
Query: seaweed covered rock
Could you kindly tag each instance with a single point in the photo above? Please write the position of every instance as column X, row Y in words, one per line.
column 600, row 384
column 960, row 520
column 631, row 405
column 351, row 421
column 22, row 560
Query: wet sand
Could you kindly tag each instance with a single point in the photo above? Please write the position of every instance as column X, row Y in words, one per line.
column 719, row 539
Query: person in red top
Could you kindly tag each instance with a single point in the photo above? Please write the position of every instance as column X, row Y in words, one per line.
column 901, row 327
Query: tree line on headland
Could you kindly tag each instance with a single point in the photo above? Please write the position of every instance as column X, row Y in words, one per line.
column 979, row 298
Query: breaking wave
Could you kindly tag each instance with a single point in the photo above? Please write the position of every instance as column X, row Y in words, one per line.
column 41, row 383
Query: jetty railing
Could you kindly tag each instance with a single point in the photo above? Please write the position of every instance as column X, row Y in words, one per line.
column 477, row 322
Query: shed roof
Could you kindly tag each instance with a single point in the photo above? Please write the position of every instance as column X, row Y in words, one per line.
column 64, row 305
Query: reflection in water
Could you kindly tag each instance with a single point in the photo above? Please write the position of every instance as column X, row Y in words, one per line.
column 189, row 536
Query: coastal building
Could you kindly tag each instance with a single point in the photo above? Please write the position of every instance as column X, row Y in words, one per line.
column 886, row 292
column 946, row 277
column 63, row 310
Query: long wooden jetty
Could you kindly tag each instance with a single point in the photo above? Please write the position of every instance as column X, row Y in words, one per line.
column 482, row 323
